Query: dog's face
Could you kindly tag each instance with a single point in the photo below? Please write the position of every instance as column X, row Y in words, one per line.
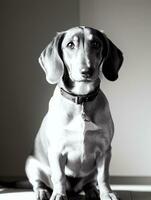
column 82, row 50
column 80, row 55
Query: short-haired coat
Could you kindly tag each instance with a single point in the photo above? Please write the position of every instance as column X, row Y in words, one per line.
column 72, row 149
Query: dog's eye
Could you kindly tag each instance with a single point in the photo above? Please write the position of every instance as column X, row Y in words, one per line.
column 71, row 45
column 95, row 44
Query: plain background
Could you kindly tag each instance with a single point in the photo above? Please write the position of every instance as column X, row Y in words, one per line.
column 26, row 28
column 128, row 24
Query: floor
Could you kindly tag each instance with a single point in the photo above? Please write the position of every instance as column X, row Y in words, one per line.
column 127, row 188
column 126, row 195
column 11, row 194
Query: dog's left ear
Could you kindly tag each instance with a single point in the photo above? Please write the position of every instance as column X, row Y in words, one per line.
column 50, row 60
column 112, row 61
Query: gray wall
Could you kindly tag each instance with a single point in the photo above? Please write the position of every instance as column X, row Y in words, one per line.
column 128, row 24
column 26, row 28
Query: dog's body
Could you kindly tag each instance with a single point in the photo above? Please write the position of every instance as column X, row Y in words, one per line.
column 74, row 140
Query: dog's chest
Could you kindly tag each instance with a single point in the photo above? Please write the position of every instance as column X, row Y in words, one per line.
column 82, row 140
column 84, row 134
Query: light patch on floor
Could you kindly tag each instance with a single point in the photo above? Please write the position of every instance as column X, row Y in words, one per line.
column 133, row 188
column 125, row 192
column 18, row 196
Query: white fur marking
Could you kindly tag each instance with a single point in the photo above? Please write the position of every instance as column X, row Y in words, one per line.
column 90, row 37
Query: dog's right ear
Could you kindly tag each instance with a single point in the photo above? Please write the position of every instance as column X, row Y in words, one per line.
column 50, row 60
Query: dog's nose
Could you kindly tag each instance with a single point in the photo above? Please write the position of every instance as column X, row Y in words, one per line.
column 87, row 72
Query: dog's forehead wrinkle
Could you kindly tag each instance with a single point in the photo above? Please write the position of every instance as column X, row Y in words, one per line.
column 73, row 36
column 77, row 34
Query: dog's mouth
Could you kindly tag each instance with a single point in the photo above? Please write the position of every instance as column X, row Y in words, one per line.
column 82, row 78
column 86, row 80
column 86, row 77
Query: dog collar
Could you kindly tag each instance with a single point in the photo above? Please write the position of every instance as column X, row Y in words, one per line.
column 79, row 99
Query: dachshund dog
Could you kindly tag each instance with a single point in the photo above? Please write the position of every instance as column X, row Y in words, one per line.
column 72, row 149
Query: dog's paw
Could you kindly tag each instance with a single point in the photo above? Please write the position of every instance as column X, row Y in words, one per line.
column 56, row 196
column 42, row 194
column 109, row 196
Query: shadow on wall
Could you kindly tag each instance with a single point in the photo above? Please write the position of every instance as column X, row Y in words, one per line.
column 27, row 26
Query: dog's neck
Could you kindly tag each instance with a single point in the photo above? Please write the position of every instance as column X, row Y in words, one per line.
column 80, row 99
column 81, row 88
column 80, row 93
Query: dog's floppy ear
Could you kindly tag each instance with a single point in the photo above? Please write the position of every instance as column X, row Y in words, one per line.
column 112, row 61
column 50, row 60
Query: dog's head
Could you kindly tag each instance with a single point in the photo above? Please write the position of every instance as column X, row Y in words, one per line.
column 80, row 54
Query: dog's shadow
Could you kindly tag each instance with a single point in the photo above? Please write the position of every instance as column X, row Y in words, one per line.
column 76, row 197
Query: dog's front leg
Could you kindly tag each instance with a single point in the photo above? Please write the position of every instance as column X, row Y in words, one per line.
column 57, row 164
column 103, row 177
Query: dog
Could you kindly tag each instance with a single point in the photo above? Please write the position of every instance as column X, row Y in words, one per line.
column 72, row 149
